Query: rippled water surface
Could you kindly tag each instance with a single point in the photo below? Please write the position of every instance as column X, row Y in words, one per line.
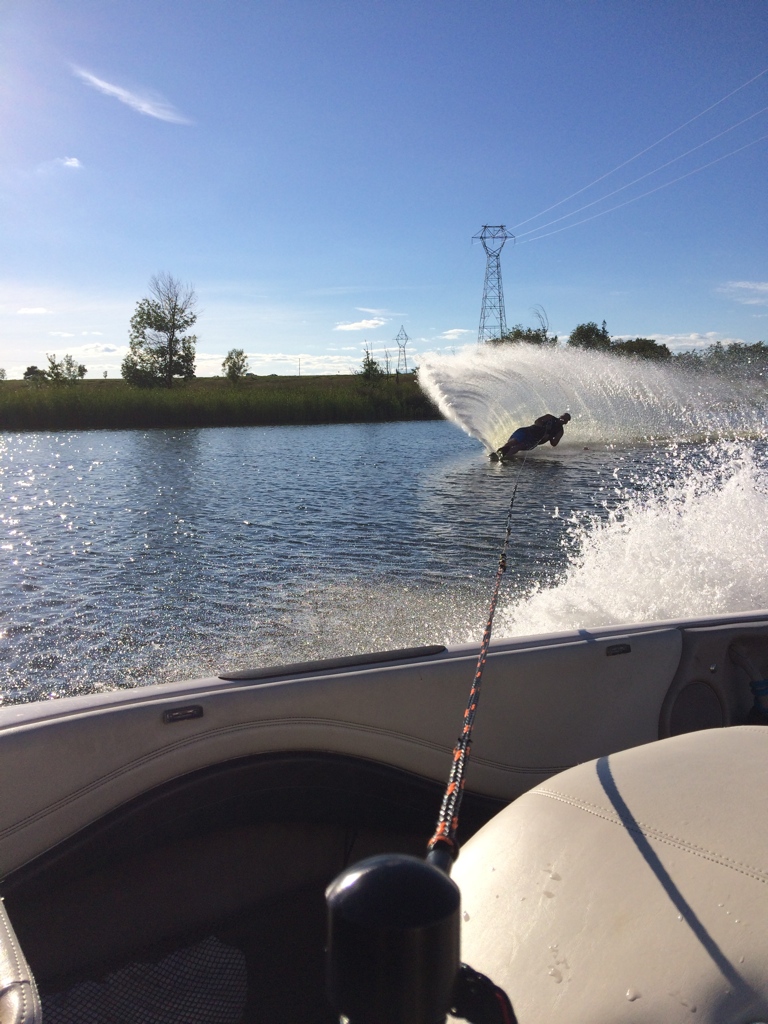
column 144, row 556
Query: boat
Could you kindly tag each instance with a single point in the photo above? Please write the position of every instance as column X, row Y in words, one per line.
column 165, row 850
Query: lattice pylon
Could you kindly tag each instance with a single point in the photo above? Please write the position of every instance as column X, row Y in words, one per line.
column 493, row 320
column 402, row 340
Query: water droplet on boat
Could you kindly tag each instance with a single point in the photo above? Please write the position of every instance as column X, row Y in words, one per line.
column 632, row 994
column 550, row 895
column 465, row 915
column 557, row 975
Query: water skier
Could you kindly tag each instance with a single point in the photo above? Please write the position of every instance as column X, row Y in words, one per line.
column 545, row 428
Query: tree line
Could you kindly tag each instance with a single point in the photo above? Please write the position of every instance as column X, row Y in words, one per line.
column 161, row 349
column 734, row 359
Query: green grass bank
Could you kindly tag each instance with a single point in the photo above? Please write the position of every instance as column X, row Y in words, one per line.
column 212, row 402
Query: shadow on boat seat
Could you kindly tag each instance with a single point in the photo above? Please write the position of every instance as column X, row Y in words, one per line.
column 19, row 1003
column 632, row 888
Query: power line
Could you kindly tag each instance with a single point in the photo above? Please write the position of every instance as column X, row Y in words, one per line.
column 648, row 174
column 649, row 193
column 642, row 152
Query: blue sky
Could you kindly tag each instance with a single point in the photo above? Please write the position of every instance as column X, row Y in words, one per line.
column 317, row 169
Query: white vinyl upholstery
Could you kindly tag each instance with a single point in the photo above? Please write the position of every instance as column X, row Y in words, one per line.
column 19, row 1002
column 633, row 888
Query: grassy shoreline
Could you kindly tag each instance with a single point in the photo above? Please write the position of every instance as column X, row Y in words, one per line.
column 212, row 402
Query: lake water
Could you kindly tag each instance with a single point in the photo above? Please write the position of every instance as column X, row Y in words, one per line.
column 145, row 556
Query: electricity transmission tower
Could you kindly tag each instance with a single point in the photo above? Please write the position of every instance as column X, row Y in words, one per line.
column 493, row 320
column 402, row 340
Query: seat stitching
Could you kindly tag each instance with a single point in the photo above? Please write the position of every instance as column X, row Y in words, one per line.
column 663, row 837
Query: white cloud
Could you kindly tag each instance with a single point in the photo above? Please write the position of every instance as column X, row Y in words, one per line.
column 49, row 167
column 151, row 105
column 361, row 325
column 33, row 311
column 749, row 293
column 455, row 333
column 208, row 364
column 60, row 334
column 95, row 348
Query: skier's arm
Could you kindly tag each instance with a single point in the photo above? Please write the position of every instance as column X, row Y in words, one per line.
column 557, row 435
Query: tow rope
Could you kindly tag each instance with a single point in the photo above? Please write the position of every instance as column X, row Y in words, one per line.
column 443, row 847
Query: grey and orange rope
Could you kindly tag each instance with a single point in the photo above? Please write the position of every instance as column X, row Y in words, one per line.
column 443, row 847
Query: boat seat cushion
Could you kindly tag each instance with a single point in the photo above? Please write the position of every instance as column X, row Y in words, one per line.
column 19, row 1002
column 630, row 888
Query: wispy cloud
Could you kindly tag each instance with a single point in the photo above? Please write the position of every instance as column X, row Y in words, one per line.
column 68, row 161
column 33, row 311
column 144, row 103
column 749, row 293
column 60, row 334
column 455, row 333
column 362, row 325
column 95, row 348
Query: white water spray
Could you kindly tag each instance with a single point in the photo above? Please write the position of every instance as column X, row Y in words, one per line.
column 698, row 546
column 490, row 390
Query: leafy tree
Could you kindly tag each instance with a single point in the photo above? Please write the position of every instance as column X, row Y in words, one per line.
column 235, row 365
column 65, row 371
column 590, row 336
column 736, row 360
column 371, row 370
column 159, row 347
column 529, row 335
column 34, row 375
column 645, row 348
column 3, row 374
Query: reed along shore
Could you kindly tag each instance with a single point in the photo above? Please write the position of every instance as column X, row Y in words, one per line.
column 213, row 402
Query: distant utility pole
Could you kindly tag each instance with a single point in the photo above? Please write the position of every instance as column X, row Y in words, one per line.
column 493, row 320
column 402, row 340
